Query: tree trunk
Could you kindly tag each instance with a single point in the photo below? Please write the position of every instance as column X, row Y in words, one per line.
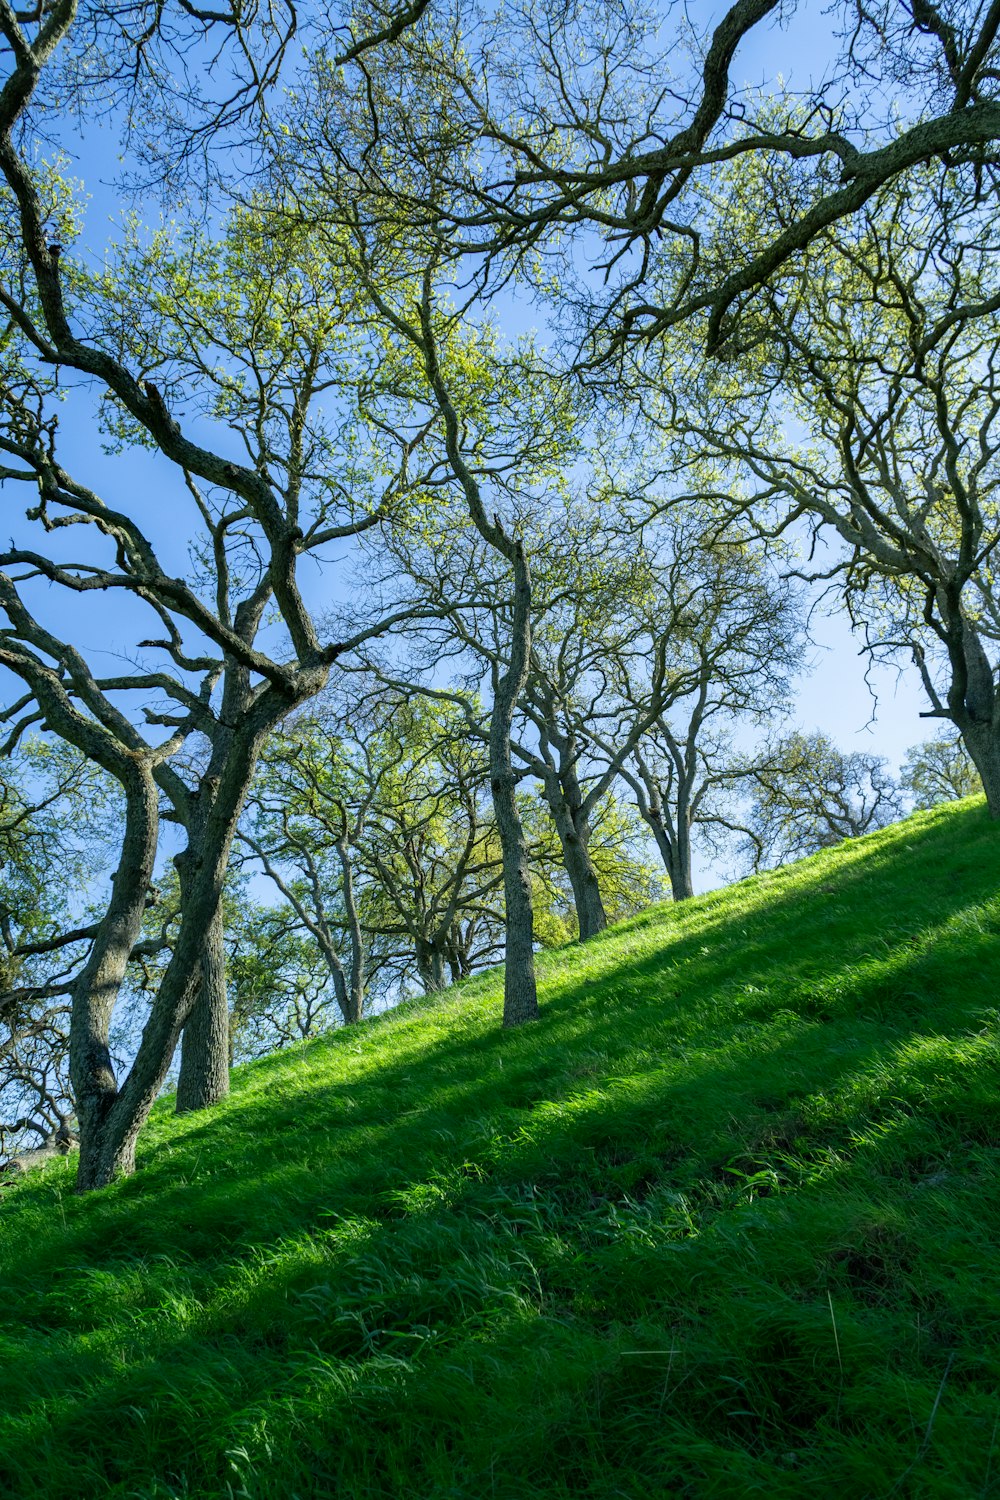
column 679, row 867
column 679, row 837
column 112, row 1152
column 520, row 1001
column 204, row 1074
column 972, row 700
column 349, row 988
column 574, row 839
column 108, row 1152
column 430, row 966
column 356, row 937
column 95, row 1087
column 983, row 743
column 356, row 991
column 673, row 832
column 676, row 856
column 458, row 959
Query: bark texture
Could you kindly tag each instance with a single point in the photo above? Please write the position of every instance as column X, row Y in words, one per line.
column 430, row 966
column 204, row 1071
column 982, row 740
column 109, row 1133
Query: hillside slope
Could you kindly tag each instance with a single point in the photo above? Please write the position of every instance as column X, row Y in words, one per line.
column 724, row 1223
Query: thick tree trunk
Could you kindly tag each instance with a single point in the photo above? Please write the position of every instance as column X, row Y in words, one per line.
column 204, row 1073
column 112, row 1148
column 972, row 700
column 430, row 966
column 110, row 1152
column 983, row 743
column 574, row 839
column 107, row 1151
column 679, row 868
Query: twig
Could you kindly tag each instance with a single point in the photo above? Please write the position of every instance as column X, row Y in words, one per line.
column 926, row 1441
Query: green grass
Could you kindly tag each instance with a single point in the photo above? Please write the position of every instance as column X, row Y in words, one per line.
column 726, row 1222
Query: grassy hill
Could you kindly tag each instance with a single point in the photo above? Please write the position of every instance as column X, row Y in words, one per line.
column 726, row 1222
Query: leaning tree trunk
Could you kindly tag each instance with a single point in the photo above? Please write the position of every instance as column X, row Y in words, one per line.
column 97, row 1098
column 108, row 1153
column 574, row 840
column 204, row 1072
column 92, row 1074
